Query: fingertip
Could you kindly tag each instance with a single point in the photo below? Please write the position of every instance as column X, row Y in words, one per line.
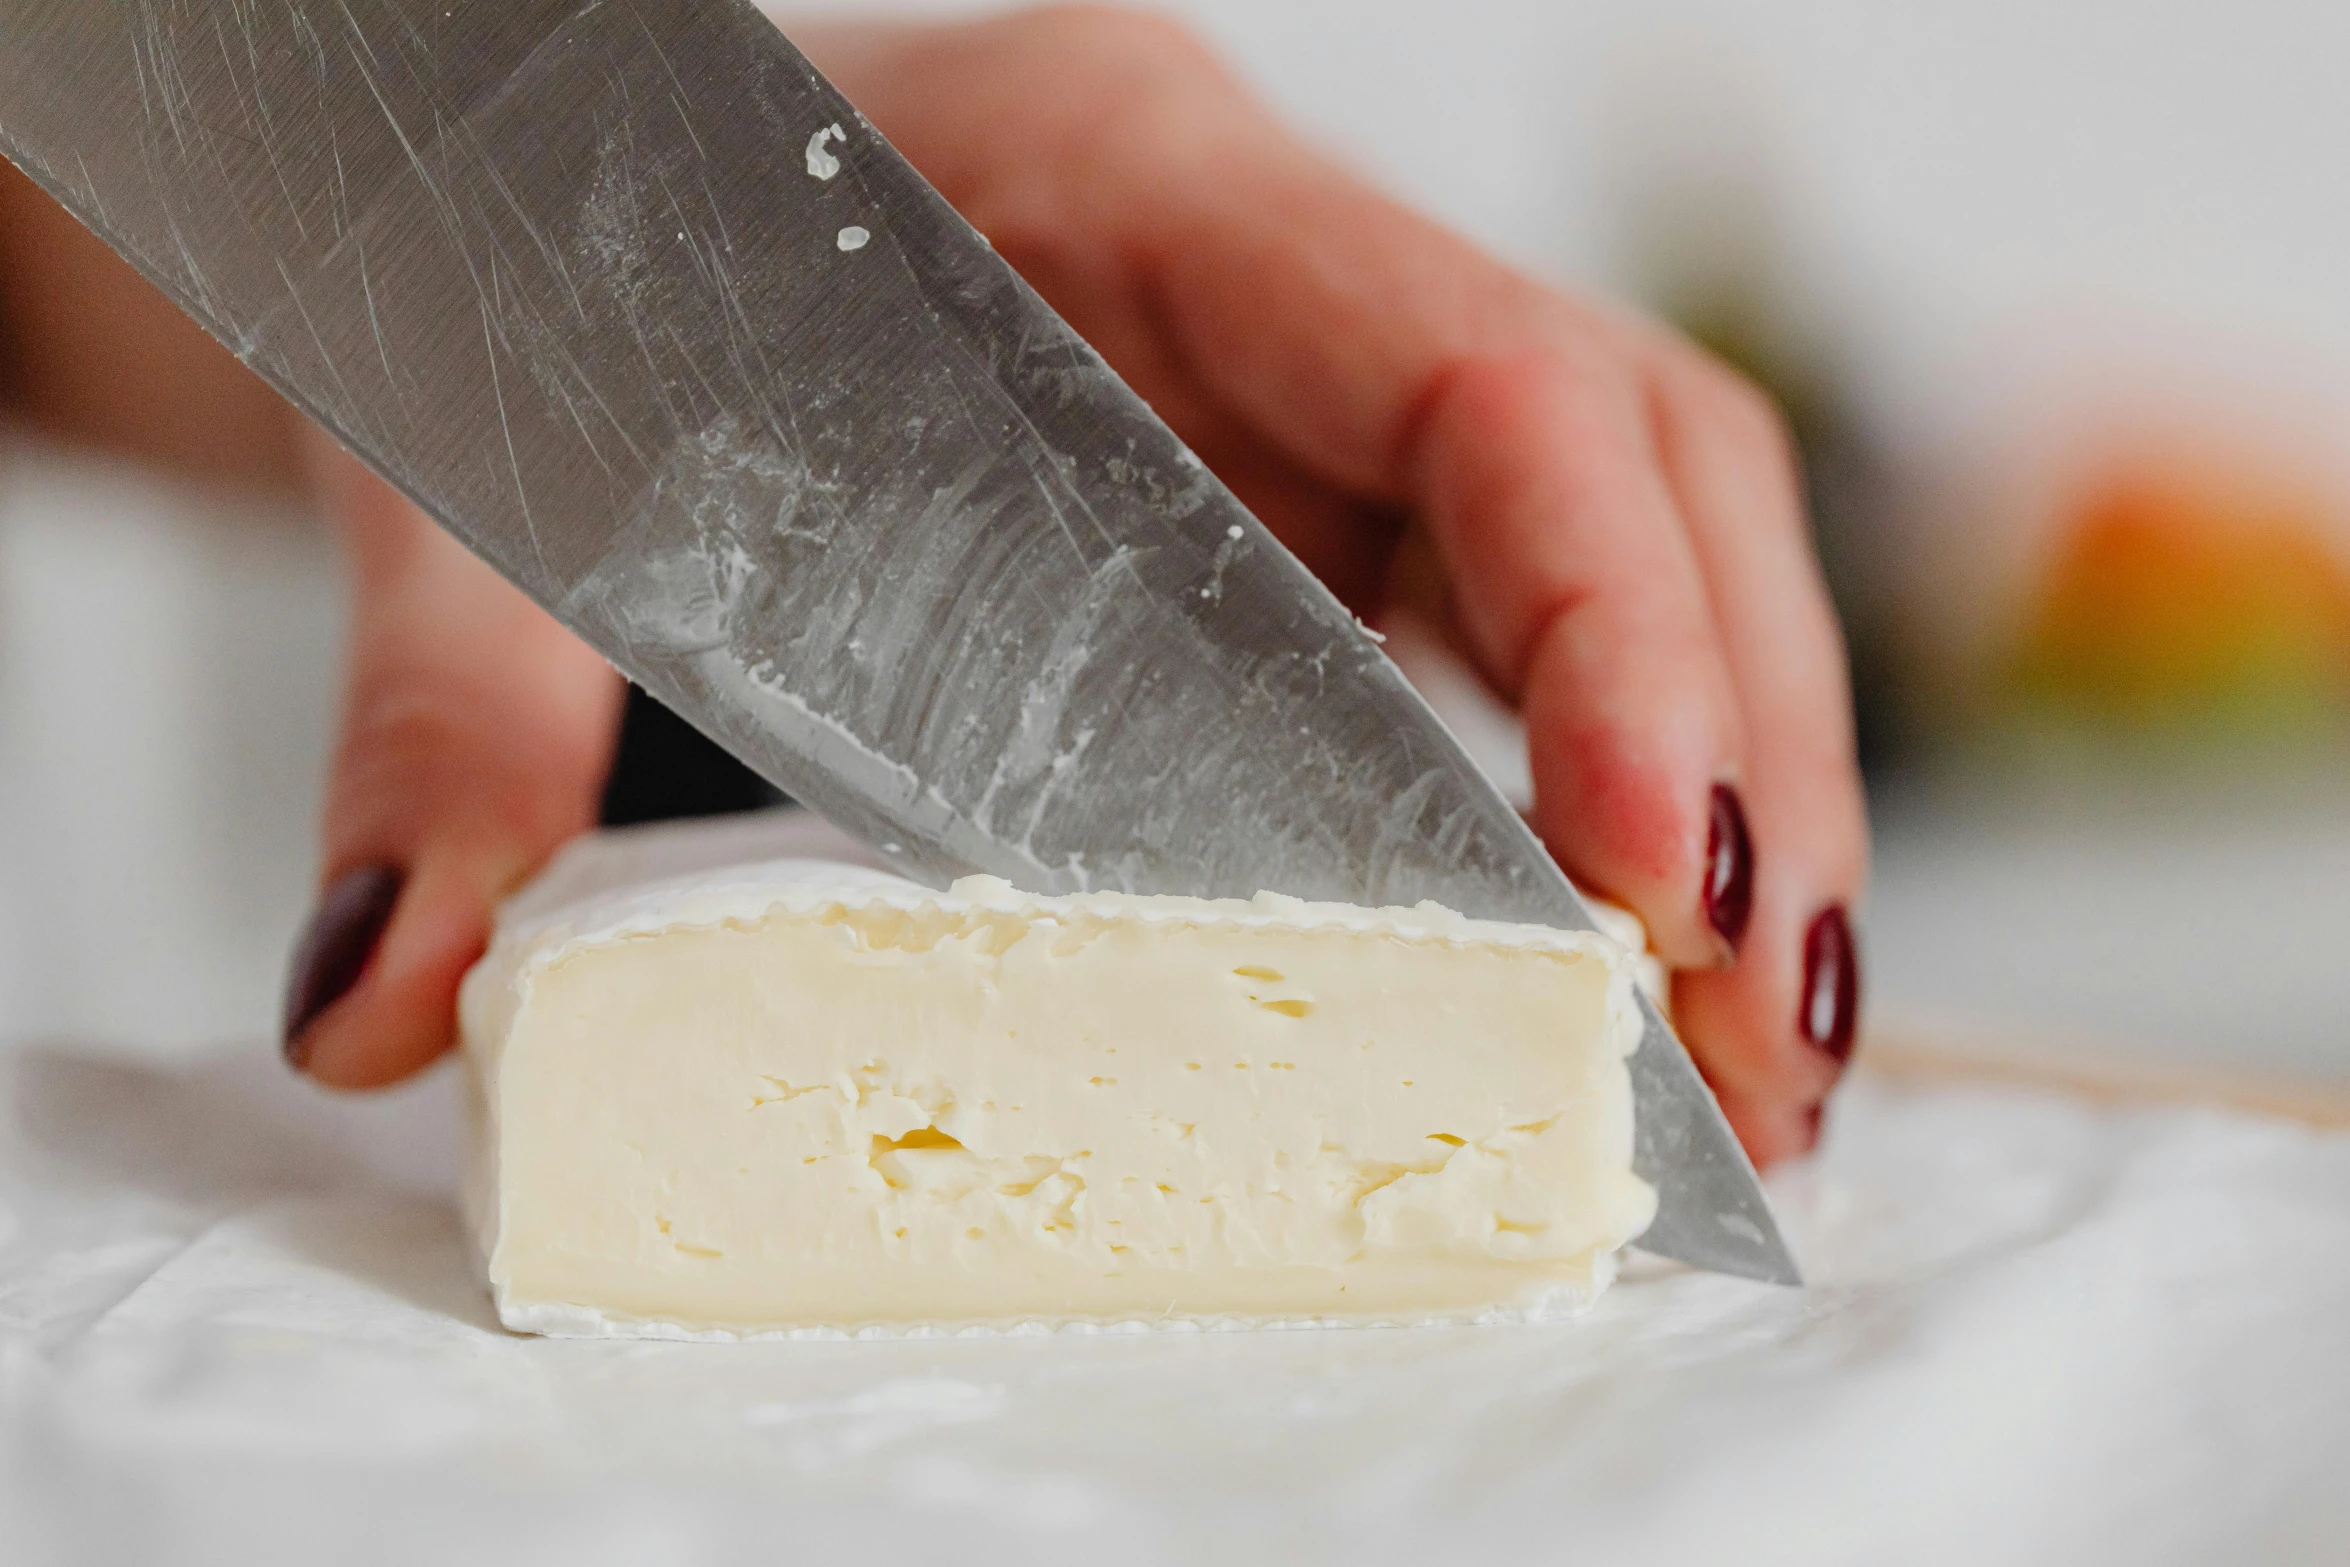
column 1773, row 1133
column 1628, row 812
column 335, row 949
column 1775, row 1033
column 395, row 1018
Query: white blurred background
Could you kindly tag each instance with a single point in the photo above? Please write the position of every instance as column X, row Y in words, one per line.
column 1994, row 254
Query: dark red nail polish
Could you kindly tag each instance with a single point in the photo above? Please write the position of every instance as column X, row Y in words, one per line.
column 1729, row 867
column 1831, row 985
column 334, row 949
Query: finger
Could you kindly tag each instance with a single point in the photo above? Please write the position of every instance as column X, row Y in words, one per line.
column 1327, row 323
column 1773, row 1130
column 1776, row 1027
column 1346, row 320
column 1577, row 589
column 1389, row 361
column 476, row 736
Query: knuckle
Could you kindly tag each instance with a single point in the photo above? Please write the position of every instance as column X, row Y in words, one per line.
column 404, row 726
column 418, row 762
column 1537, row 457
column 1557, row 386
column 401, row 740
column 1742, row 412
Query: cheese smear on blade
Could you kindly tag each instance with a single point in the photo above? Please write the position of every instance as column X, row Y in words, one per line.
column 809, row 1097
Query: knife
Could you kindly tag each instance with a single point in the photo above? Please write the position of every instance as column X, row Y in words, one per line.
column 627, row 296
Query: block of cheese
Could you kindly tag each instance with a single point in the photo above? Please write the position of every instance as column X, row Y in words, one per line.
column 806, row 1097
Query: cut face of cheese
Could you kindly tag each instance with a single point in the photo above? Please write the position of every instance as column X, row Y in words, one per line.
column 806, row 1096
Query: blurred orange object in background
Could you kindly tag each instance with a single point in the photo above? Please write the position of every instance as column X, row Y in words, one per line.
column 2193, row 592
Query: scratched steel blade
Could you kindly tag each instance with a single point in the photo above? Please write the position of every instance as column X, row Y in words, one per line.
column 631, row 299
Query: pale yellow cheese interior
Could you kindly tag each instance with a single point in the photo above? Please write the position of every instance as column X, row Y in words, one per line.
column 865, row 1114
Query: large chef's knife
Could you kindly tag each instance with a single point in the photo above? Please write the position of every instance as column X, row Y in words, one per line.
column 624, row 293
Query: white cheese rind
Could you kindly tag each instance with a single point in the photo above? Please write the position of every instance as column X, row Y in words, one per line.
column 803, row 1098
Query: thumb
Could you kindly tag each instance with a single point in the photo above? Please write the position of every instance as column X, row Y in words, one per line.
column 476, row 733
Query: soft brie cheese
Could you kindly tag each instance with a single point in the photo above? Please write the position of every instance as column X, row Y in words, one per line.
column 811, row 1096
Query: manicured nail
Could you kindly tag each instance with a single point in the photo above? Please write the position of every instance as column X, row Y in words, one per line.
column 1729, row 867
column 334, row 950
column 1831, row 985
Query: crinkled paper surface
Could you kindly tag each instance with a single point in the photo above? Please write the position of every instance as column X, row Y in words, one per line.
column 238, row 1323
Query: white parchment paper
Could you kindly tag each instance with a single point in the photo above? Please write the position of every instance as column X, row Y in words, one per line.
column 238, row 1324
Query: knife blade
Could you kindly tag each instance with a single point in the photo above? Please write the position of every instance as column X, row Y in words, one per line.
column 627, row 296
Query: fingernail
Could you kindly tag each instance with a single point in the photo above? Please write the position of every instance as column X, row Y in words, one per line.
column 1811, row 1125
column 334, row 949
column 1729, row 867
column 1831, row 985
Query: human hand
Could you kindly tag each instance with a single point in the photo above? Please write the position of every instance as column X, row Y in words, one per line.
column 476, row 733
column 1612, row 519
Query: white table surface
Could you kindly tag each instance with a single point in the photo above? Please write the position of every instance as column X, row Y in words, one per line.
column 238, row 1323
